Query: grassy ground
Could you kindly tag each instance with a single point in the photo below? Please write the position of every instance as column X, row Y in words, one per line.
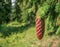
column 24, row 36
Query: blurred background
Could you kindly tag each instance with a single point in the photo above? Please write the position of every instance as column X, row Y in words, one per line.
column 17, row 23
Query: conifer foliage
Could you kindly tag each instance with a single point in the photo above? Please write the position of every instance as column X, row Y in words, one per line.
column 26, row 10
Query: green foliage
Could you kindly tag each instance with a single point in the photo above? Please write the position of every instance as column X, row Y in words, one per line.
column 43, row 10
column 4, row 12
column 46, row 8
column 58, row 31
column 49, row 26
column 25, row 11
column 57, row 8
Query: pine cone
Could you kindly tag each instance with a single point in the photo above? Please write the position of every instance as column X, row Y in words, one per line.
column 39, row 28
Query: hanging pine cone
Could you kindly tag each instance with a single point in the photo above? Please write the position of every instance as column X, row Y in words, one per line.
column 39, row 28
